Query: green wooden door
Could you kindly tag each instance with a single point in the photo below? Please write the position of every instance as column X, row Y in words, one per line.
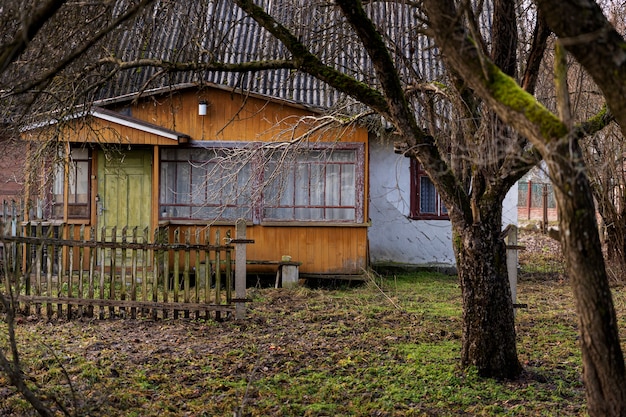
column 125, row 190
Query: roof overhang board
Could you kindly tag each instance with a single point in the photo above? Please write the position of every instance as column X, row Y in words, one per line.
column 128, row 130
column 140, row 125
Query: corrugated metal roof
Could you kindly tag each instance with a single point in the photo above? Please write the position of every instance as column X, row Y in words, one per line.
column 206, row 30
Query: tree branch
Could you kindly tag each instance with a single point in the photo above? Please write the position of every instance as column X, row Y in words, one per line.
column 423, row 145
column 21, row 40
column 80, row 51
column 311, row 64
column 172, row 66
column 513, row 105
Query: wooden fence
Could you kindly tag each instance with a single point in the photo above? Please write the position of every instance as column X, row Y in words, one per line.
column 68, row 270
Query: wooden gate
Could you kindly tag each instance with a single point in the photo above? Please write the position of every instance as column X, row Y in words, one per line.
column 68, row 270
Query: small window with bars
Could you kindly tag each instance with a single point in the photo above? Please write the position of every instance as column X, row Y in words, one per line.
column 425, row 200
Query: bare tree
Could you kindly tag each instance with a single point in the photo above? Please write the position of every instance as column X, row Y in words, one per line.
column 456, row 120
column 39, row 41
column 592, row 40
column 376, row 55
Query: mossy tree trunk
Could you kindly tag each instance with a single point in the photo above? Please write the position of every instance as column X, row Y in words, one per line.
column 557, row 141
column 603, row 362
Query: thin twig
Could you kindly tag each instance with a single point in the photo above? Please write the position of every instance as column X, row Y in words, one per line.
column 369, row 273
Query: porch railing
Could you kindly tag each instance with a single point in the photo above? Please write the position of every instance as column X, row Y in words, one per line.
column 69, row 270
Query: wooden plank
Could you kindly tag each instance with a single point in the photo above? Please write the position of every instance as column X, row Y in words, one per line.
column 102, row 270
column 38, row 267
column 157, row 271
column 176, row 279
column 92, row 267
column 240, row 270
column 49, row 265
column 123, row 269
column 145, row 256
column 187, row 265
column 27, row 256
column 133, row 275
column 112, row 270
column 127, row 303
column 81, row 259
column 70, row 273
column 218, row 272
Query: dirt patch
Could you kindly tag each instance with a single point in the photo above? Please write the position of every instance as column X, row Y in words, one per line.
column 541, row 256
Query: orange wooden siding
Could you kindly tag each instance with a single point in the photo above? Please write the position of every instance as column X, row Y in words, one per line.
column 233, row 117
column 320, row 249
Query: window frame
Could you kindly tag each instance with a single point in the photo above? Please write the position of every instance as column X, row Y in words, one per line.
column 417, row 174
column 255, row 212
column 68, row 202
column 210, row 147
column 359, row 186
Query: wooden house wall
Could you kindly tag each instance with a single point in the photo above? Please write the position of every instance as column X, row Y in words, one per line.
column 235, row 117
column 322, row 248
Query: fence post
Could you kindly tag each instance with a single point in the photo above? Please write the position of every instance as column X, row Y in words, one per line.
column 544, row 224
column 240, row 270
column 512, row 259
column 529, row 198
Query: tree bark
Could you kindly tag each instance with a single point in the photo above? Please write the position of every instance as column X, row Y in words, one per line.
column 603, row 362
column 488, row 340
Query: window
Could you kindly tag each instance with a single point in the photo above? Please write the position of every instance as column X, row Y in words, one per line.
column 201, row 184
column 79, row 171
column 321, row 183
column 425, row 200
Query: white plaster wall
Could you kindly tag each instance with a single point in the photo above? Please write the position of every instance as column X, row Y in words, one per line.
column 393, row 237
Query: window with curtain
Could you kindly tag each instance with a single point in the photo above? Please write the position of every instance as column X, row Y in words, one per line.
column 322, row 183
column 316, row 184
column 201, row 184
column 425, row 200
column 79, row 170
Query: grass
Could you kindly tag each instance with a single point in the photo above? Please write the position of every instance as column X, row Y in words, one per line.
column 385, row 349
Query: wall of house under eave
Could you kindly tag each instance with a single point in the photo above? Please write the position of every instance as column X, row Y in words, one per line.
column 394, row 239
column 322, row 249
column 233, row 117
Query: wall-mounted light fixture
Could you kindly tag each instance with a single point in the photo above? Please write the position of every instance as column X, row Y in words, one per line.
column 202, row 106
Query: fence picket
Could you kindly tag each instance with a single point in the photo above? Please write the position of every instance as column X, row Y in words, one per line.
column 122, row 268
column 145, row 255
column 70, row 281
column 102, row 274
column 38, row 266
column 218, row 271
column 93, row 255
column 49, row 264
column 175, row 278
column 81, row 271
column 197, row 272
column 28, row 264
column 112, row 270
column 133, row 274
column 186, row 274
column 117, row 273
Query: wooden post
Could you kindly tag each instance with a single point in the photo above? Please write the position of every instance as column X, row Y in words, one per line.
column 240, row 270
column 289, row 274
column 511, row 259
column 529, row 200
column 544, row 224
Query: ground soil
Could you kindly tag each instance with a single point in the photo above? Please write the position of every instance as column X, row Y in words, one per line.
column 182, row 352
